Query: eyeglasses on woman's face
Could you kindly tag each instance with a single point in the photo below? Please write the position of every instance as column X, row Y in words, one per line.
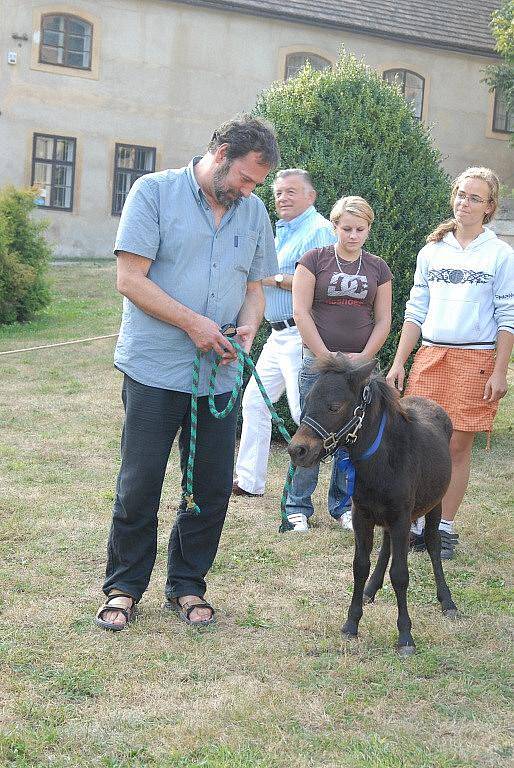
column 472, row 199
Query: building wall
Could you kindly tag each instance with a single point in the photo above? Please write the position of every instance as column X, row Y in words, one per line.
column 166, row 74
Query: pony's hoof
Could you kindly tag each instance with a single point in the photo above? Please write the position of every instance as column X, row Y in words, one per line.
column 450, row 613
column 405, row 650
column 348, row 633
column 367, row 599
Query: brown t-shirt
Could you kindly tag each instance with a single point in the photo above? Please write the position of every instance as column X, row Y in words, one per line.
column 342, row 308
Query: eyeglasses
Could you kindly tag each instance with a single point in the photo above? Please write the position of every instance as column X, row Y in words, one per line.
column 472, row 199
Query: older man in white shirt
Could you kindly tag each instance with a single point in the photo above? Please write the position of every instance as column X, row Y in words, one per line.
column 299, row 229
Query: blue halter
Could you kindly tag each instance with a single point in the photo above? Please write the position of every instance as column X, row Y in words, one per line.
column 345, row 464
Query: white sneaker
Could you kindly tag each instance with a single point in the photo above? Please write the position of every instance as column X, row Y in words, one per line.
column 345, row 521
column 299, row 522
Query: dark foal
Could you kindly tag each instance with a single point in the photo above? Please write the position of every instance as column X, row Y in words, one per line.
column 406, row 477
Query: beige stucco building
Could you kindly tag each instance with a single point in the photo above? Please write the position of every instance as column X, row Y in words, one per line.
column 93, row 94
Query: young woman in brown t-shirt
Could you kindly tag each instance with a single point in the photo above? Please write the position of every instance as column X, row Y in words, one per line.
column 341, row 303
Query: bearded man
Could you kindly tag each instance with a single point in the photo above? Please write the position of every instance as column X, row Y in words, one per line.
column 192, row 247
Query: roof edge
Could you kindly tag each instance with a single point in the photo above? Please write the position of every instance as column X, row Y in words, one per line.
column 305, row 19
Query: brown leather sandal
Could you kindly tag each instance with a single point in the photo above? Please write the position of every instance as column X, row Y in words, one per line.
column 185, row 610
column 129, row 612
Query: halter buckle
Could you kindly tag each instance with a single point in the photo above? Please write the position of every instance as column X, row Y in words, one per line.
column 330, row 442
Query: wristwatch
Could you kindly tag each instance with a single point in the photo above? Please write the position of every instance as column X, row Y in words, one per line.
column 279, row 279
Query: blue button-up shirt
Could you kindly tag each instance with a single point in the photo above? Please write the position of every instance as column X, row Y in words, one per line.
column 166, row 218
column 294, row 238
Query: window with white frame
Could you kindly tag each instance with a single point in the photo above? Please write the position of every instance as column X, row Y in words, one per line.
column 296, row 61
column 411, row 85
column 53, row 170
column 130, row 162
column 65, row 41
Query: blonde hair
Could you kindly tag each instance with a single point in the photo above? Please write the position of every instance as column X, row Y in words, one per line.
column 483, row 174
column 354, row 205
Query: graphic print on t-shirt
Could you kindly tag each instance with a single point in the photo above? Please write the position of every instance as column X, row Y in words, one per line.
column 341, row 285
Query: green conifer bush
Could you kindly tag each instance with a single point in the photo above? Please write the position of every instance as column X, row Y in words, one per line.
column 24, row 257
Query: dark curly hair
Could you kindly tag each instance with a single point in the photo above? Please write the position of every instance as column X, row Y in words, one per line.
column 246, row 134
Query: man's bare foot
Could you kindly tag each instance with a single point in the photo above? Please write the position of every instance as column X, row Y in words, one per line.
column 114, row 616
column 197, row 615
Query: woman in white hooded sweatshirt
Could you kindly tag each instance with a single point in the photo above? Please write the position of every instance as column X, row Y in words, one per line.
column 462, row 303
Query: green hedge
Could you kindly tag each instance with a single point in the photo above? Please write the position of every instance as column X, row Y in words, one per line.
column 24, row 257
column 356, row 135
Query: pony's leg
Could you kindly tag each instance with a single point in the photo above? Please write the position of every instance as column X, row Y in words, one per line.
column 376, row 579
column 399, row 573
column 363, row 530
column 433, row 542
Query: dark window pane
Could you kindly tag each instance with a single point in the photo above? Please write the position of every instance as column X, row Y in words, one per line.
column 43, row 173
column 62, row 175
column 75, row 44
column 43, row 181
column 54, row 22
column 79, row 28
column 62, row 197
column 53, row 38
column 122, row 184
column 44, row 147
column 126, row 157
column 503, row 119
column 64, row 150
column 76, row 60
column 144, row 159
column 51, row 55
column 414, row 93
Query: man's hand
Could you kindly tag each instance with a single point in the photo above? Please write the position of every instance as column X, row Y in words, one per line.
column 246, row 334
column 206, row 335
column 495, row 387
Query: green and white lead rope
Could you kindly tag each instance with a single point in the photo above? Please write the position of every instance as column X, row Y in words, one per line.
column 243, row 358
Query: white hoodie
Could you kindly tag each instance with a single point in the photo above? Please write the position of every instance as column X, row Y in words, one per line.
column 462, row 297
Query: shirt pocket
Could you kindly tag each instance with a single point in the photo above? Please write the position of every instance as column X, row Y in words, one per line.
column 245, row 246
column 238, row 263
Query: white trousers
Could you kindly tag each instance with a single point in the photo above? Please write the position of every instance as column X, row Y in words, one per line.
column 278, row 366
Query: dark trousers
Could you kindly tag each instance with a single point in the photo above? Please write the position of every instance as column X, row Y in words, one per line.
column 152, row 419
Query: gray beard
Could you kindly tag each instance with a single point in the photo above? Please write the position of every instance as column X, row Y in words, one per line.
column 224, row 196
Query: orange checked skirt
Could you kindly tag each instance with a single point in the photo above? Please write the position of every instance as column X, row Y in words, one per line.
column 455, row 379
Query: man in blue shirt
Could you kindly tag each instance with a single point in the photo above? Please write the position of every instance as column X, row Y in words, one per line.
column 299, row 229
column 193, row 246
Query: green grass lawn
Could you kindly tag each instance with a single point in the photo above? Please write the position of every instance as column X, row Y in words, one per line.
column 272, row 685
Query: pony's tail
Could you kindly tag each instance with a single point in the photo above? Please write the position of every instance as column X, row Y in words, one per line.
column 439, row 232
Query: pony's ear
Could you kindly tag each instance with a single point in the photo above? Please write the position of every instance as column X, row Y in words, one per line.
column 363, row 372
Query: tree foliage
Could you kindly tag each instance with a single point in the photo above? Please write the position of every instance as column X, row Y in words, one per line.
column 356, row 135
column 501, row 76
column 24, row 257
